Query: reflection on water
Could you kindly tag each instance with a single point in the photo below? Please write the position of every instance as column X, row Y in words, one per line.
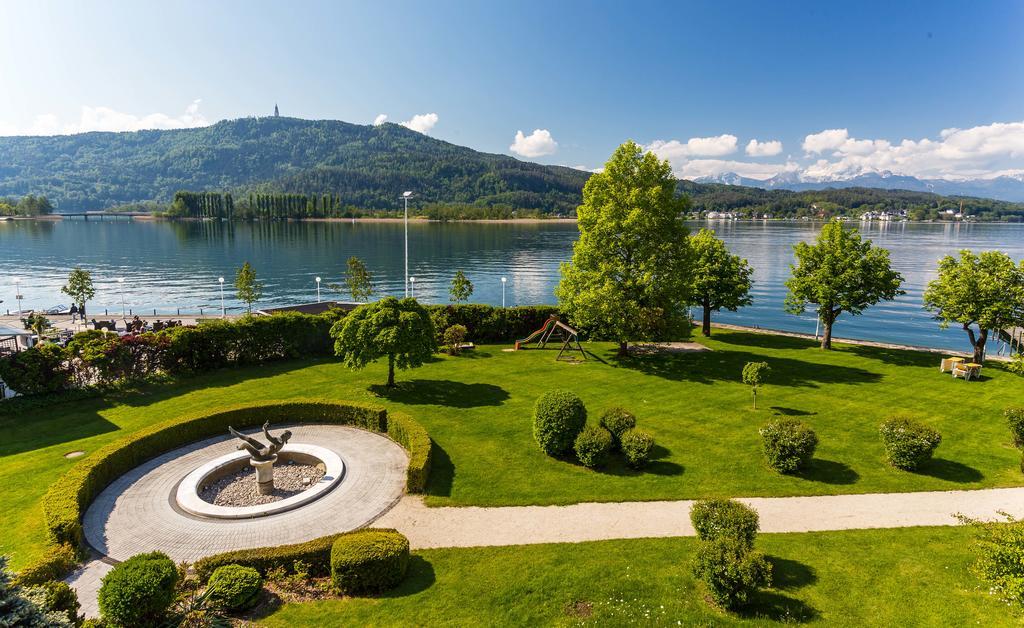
column 171, row 265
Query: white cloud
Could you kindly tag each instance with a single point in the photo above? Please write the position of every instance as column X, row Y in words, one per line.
column 830, row 139
column 380, row 119
column 107, row 119
column 764, row 149
column 536, row 144
column 421, row 122
column 716, row 146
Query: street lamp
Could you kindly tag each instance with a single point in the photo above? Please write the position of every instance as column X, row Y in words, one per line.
column 17, row 293
column 406, row 196
column 504, row 280
column 317, row 289
column 223, row 314
column 412, row 286
column 120, row 287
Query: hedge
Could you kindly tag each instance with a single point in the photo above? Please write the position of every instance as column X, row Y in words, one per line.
column 67, row 499
column 315, row 553
column 486, row 323
column 58, row 560
column 369, row 561
column 234, row 587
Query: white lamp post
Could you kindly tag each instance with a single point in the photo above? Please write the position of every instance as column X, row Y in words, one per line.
column 120, row 288
column 504, row 280
column 17, row 293
column 223, row 314
column 406, row 196
column 317, row 289
column 412, row 287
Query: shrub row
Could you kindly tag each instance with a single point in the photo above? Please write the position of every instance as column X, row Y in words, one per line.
column 316, row 554
column 67, row 499
column 369, row 561
column 414, row 438
column 486, row 323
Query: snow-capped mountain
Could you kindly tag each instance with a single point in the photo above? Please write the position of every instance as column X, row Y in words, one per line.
column 1005, row 188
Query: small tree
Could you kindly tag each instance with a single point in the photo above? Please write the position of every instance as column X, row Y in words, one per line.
column 720, row 279
column 79, row 286
column 754, row 374
column 36, row 323
column 840, row 273
column 400, row 330
column 462, row 288
column 358, row 280
column 248, row 289
column 985, row 290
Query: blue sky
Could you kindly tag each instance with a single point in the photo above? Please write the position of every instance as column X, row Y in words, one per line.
column 587, row 74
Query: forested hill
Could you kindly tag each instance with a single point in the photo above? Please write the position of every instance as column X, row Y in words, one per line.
column 368, row 166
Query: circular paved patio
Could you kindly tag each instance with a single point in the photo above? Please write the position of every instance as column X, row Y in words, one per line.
column 135, row 513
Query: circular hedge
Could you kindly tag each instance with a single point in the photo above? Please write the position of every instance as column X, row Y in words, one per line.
column 138, row 591
column 369, row 561
column 558, row 418
column 234, row 587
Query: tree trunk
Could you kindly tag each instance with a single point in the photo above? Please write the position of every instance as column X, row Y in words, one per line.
column 623, row 348
column 706, row 328
column 391, row 371
column 826, row 336
column 978, row 343
column 754, row 393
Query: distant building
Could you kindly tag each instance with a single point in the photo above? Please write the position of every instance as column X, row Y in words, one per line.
column 277, row 114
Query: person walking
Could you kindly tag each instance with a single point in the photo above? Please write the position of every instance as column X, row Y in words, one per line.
column 74, row 313
column 81, row 311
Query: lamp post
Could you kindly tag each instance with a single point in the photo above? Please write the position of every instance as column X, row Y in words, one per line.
column 223, row 313
column 17, row 293
column 412, row 287
column 406, row 196
column 504, row 280
column 120, row 288
column 317, row 289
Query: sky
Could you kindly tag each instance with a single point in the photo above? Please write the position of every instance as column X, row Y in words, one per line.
column 929, row 89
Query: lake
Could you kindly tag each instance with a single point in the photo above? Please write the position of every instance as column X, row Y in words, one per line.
column 172, row 265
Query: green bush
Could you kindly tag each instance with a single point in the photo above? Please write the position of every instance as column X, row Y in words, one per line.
column 60, row 598
column 39, row 370
column 315, row 554
column 414, row 438
column 369, row 561
column 138, row 591
column 1016, row 364
column 67, row 499
column 486, row 323
column 234, row 587
column 56, row 561
column 908, row 444
column 999, row 548
column 558, row 418
column 1015, row 417
column 718, row 518
column 788, row 444
column 453, row 338
column 25, row 608
column 617, row 421
column 592, row 446
column 636, row 445
column 730, row 570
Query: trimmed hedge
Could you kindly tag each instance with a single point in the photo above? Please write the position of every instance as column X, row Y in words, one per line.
column 138, row 591
column 592, row 446
column 414, row 438
column 67, row 499
column 234, row 587
column 52, row 565
column 369, row 561
column 558, row 418
column 617, row 421
column 486, row 323
column 315, row 553
column 636, row 445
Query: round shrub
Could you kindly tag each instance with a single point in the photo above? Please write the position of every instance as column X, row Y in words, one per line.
column 908, row 444
column 558, row 418
column 636, row 445
column 369, row 561
column 592, row 446
column 1015, row 417
column 718, row 518
column 452, row 339
column 234, row 587
column 788, row 444
column 617, row 421
column 731, row 571
column 61, row 598
column 138, row 591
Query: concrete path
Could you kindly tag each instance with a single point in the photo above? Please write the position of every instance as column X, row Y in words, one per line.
column 523, row 525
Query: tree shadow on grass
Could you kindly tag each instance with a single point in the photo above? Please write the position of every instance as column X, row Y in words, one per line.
column 895, row 357
column 791, row 411
column 828, row 472
column 766, row 340
column 950, row 470
column 420, row 577
column 440, row 392
column 442, row 472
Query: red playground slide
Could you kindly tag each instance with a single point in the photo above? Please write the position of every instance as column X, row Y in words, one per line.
column 536, row 334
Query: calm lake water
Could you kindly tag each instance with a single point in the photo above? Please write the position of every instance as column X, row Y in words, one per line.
column 171, row 265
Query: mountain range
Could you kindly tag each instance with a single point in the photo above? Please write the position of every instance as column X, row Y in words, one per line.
column 1006, row 188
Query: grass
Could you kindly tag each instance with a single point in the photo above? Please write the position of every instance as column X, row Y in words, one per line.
column 478, row 410
column 908, row 577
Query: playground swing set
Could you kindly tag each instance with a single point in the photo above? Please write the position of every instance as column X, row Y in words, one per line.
column 554, row 330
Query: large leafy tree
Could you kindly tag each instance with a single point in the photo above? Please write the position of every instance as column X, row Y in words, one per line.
column 720, row 279
column 399, row 329
column 79, row 286
column 629, row 277
column 248, row 289
column 984, row 291
column 839, row 273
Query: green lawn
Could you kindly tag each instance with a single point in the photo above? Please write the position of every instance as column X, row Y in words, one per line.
column 478, row 410
column 909, row 577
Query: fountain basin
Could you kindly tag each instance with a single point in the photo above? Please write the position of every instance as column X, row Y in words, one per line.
column 187, row 495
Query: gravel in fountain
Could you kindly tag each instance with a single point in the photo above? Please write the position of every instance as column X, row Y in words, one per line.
column 240, row 489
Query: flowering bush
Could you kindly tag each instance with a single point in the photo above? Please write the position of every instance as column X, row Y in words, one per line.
column 908, row 444
column 788, row 444
column 1000, row 563
column 716, row 518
